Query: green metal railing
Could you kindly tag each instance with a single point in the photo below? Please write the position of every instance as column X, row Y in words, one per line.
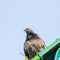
column 51, row 52
column 57, row 56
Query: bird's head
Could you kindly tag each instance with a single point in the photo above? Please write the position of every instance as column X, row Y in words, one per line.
column 28, row 30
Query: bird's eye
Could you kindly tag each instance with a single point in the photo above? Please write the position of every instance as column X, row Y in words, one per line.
column 27, row 29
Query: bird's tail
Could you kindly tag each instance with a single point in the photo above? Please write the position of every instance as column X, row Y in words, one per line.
column 26, row 58
column 22, row 54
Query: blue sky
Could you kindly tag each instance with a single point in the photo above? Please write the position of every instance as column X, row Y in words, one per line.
column 43, row 16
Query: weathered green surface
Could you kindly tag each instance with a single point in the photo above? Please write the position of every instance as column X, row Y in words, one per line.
column 57, row 56
column 49, row 52
column 36, row 58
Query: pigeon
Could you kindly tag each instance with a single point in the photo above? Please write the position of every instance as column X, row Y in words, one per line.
column 33, row 43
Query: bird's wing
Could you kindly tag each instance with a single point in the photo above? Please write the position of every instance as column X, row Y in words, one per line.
column 29, row 49
column 33, row 47
column 38, row 44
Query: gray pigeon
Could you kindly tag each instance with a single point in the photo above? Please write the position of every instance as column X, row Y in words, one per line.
column 33, row 43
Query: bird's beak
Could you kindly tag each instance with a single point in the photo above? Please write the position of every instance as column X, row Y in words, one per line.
column 24, row 30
